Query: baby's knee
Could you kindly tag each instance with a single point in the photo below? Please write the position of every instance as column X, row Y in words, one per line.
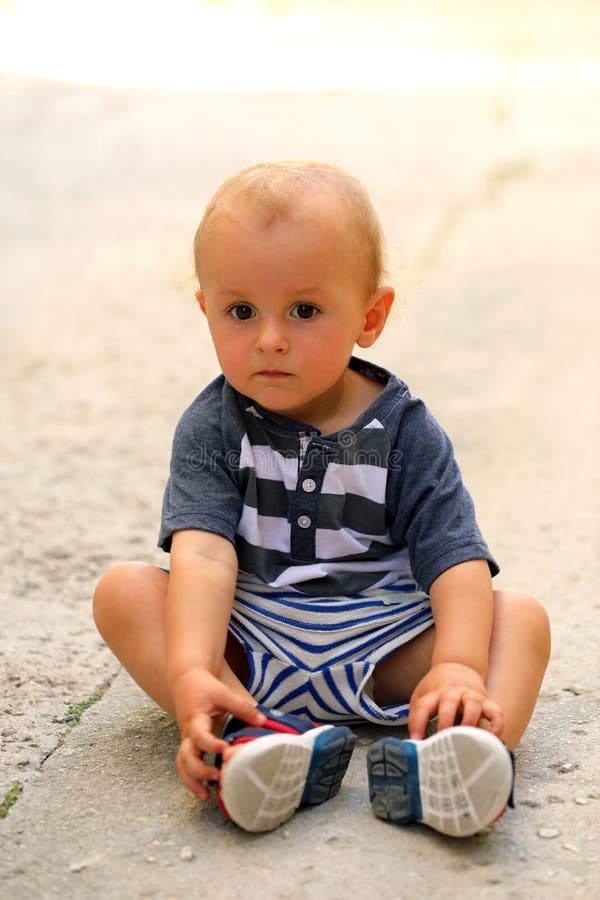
column 537, row 618
column 527, row 615
column 114, row 589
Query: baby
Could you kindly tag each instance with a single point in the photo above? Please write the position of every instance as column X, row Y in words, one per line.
column 326, row 567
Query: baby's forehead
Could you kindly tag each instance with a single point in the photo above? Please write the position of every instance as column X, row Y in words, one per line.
column 326, row 199
column 311, row 208
column 318, row 214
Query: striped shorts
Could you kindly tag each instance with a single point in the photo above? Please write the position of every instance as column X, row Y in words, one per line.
column 315, row 656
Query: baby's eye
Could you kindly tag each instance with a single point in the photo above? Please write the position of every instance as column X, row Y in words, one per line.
column 304, row 311
column 241, row 311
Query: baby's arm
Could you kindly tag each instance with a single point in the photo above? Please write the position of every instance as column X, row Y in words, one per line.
column 199, row 602
column 454, row 686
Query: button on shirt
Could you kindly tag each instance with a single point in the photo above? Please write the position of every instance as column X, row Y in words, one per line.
column 305, row 505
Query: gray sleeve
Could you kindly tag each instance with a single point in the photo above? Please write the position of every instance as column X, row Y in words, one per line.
column 202, row 491
column 433, row 513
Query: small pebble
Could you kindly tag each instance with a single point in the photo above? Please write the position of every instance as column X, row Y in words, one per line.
column 287, row 833
column 187, row 854
column 572, row 848
column 581, row 801
column 548, row 832
column 83, row 864
column 565, row 768
column 150, row 859
column 56, row 552
column 78, row 866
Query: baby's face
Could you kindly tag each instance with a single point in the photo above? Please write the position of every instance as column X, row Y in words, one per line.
column 286, row 303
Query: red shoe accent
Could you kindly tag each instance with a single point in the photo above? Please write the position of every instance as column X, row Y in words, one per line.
column 274, row 725
column 242, row 740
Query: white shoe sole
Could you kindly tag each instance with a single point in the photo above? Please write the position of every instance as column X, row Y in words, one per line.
column 458, row 781
column 269, row 778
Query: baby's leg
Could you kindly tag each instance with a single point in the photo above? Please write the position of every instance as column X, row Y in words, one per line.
column 519, row 652
column 129, row 604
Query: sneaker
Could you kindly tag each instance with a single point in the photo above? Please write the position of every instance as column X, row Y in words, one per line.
column 286, row 763
column 458, row 781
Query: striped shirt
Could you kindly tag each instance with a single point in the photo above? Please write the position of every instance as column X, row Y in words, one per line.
column 326, row 515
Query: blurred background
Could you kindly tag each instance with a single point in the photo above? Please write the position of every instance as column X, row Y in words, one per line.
column 296, row 45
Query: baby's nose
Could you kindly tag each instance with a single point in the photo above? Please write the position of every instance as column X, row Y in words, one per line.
column 271, row 337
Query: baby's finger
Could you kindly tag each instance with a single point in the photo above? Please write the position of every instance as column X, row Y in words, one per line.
column 195, row 765
column 472, row 708
column 199, row 730
column 240, row 707
column 450, row 704
column 492, row 713
column 197, row 788
column 193, row 771
column 421, row 711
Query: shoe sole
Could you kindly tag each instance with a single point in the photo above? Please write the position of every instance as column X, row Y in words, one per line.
column 458, row 781
column 269, row 778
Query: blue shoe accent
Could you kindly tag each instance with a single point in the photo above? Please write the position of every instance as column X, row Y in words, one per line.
column 330, row 757
column 393, row 772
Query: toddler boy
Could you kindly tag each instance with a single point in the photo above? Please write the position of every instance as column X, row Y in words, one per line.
column 326, row 567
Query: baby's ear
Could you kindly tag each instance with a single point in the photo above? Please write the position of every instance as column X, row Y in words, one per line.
column 201, row 301
column 376, row 313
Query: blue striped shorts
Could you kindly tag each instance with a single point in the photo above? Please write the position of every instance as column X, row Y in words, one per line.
column 315, row 656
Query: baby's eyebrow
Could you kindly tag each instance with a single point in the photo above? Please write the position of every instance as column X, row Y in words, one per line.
column 298, row 293
column 232, row 292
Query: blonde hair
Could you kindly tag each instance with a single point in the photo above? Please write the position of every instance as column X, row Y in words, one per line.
column 274, row 187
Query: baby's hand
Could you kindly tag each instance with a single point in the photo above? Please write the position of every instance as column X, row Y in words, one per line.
column 202, row 703
column 457, row 694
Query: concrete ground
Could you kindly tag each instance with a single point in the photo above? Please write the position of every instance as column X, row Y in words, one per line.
column 491, row 203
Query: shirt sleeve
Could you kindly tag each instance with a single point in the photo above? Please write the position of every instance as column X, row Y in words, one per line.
column 202, row 491
column 433, row 513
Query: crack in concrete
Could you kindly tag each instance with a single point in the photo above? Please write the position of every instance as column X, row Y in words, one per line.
column 101, row 690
